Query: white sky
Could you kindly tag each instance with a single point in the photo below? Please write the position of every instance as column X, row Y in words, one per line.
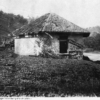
column 85, row 13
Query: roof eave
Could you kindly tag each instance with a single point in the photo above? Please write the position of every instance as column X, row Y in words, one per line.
column 86, row 34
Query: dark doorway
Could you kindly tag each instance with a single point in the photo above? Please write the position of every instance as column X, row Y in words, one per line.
column 63, row 46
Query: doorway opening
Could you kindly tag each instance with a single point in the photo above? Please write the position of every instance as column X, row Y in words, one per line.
column 63, row 46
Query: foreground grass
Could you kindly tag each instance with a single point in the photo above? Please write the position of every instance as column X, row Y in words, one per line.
column 37, row 76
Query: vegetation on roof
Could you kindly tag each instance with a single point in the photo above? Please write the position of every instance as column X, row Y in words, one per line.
column 51, row 23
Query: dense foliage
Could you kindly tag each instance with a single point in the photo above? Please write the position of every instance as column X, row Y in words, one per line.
column 92, row 42
column 8, row 23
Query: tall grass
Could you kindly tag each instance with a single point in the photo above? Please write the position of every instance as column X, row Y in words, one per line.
column 47, row 76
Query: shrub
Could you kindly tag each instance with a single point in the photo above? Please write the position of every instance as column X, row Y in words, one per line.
column 92, row 42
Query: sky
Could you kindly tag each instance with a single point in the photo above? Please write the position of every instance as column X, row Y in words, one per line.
column 84, row 13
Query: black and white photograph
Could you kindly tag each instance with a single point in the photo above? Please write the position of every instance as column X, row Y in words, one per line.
column 50, row 48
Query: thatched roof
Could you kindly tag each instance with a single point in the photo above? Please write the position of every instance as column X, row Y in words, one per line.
column 50, row 23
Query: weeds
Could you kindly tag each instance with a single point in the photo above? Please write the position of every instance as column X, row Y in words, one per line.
column 37, row 76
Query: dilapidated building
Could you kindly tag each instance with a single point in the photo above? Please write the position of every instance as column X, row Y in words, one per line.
column 50, row 34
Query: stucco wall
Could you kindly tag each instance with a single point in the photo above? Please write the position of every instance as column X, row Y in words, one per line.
column 55, row 45
column 28, row 46
column 50, row 44
column 35, row 46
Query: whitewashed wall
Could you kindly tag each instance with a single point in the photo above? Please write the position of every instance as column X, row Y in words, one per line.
column 28, row 46
column 55, row 45
column 35, row 46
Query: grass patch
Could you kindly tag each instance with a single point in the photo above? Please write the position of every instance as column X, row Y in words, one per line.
column 37, row 76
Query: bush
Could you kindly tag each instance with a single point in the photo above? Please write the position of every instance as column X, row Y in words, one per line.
column 92, row 42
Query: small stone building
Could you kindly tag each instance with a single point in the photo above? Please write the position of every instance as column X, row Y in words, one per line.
column 50, row 34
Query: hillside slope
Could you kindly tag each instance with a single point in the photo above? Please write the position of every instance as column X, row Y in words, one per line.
column 8, row 23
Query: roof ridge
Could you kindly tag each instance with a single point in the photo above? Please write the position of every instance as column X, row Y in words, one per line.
column 46, row 21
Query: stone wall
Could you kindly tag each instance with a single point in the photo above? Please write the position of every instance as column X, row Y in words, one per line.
column 75, row 51
column 72, row 47
column 76, row 38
